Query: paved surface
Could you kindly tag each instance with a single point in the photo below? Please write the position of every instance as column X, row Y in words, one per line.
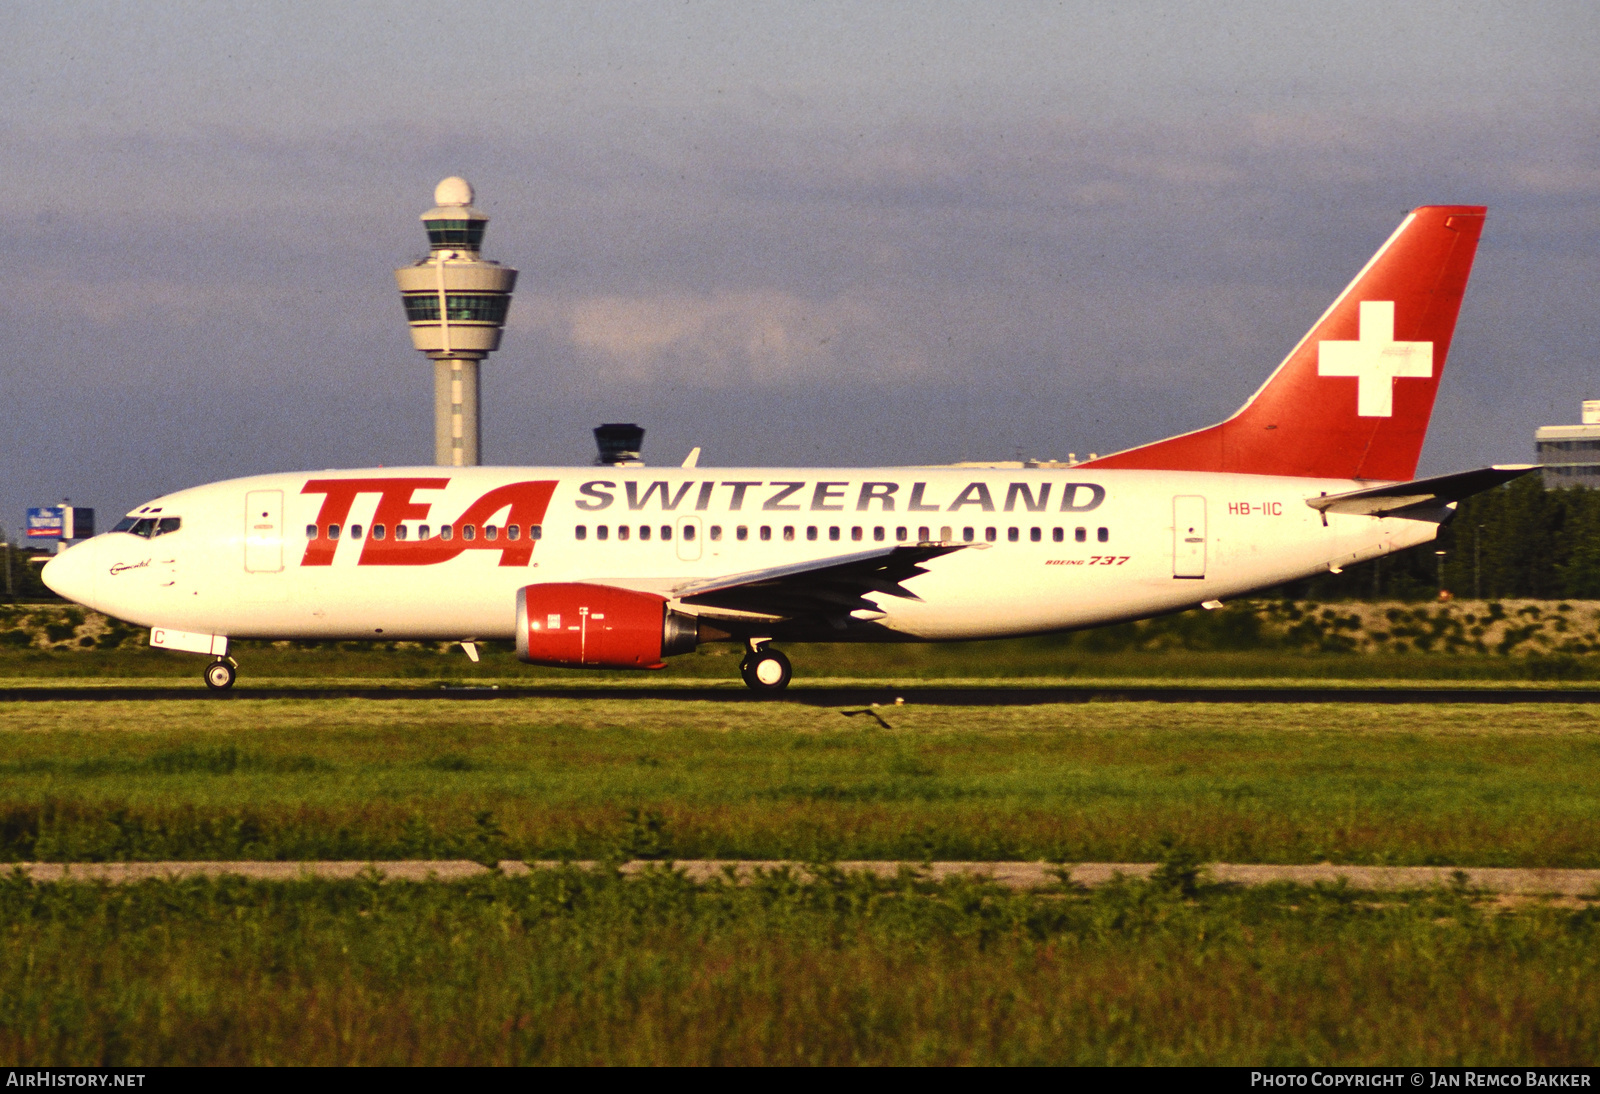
column 1014, row 875
column 843, row 696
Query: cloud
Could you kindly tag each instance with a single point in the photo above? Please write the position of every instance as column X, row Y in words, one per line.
column 725, row 338
column 894, row 290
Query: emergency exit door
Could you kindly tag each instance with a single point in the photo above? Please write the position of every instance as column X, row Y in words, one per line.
column 1188, row 537
column 263, row 531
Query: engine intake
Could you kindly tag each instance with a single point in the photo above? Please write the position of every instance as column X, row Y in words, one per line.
column 599, row 626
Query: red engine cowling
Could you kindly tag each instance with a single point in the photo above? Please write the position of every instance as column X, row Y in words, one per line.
column 599, row 626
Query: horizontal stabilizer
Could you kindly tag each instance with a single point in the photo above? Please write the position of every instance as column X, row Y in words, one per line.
column 1435, row 493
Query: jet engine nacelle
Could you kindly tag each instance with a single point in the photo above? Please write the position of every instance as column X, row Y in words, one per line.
column 599, row 626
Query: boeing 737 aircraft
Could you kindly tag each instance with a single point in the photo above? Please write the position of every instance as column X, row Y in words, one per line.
column 622, row 567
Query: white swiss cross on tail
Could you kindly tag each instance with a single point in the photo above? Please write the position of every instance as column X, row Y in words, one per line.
column 1375, row 360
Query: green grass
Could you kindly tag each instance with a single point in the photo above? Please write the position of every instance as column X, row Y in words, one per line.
column 567, row 967
column 592, row 777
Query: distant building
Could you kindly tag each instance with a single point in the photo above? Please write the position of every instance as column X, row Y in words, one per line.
column 1571, row 453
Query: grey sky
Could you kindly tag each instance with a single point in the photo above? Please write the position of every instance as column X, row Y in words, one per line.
column 808, row 233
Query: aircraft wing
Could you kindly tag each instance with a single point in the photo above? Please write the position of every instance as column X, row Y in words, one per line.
column 1429, row 494
column 827, row 587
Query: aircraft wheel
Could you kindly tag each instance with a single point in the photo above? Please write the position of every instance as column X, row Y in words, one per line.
column 220, row 675
column 766, row 670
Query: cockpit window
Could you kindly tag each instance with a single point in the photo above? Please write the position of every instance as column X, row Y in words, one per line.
column 148, row 527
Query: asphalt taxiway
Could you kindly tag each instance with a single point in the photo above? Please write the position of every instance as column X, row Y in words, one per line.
column 863, row 696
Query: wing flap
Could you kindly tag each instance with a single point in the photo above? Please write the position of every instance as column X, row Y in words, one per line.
column 831, row 587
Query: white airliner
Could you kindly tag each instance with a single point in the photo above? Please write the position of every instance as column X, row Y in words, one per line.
column 622, row 567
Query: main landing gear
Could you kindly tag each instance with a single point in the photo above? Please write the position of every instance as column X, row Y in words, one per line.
column 221, row 673
column 764, row 668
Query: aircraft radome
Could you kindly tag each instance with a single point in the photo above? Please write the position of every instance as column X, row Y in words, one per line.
column 623, row 567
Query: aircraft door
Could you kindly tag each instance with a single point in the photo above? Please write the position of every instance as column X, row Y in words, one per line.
column 1188, row 537
column 263, row 531
column 689, row 539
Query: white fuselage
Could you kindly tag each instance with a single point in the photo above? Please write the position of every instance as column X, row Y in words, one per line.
column 1054, row 549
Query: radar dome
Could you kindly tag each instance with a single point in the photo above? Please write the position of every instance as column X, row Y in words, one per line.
column 453, row 191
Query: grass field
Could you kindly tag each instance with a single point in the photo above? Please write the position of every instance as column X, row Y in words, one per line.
column 1277, row 640
column 591, row 778
column 568, row 967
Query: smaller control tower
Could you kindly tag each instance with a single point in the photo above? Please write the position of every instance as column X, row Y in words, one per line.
column 456, row 304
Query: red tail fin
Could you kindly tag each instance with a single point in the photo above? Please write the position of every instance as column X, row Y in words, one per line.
column 1353, row 398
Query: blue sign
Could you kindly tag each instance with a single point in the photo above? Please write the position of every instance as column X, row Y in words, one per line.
column 47, row 522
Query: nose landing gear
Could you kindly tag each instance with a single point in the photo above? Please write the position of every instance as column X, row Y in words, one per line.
column 221, row 673
column 765, row 669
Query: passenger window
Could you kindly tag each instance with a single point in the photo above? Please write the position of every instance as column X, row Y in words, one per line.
column 168, row 524
column 379, row 531
column 741, row 533
column 1058, row 535
column 513, row 531
column 1012, row 535
column 490, row 531
column 967, row 535
column 422, row 531
column 644, row 532
column 601, row 531
column 355, row 531
column 1035, row 535
column 580, row 532
column 922, row 535
column 766, row 532
column 855, row 534
column 688, row 532
column 400, row 531
column 535, row 531
column 833, row 534
column 989, row 534
column 311, row 531
column 1103, row 535
column 470, row 532
column 900, row 535
column 788, row 533
column 448, row 532
column 811, row 533
column 877, row 533
column 333, row 531
column 666, row 531
column 947, row 534
column 622, row 532
column 1080, row 535
column 716, row 532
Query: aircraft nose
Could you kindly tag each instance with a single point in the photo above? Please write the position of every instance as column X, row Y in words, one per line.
column 72, row 573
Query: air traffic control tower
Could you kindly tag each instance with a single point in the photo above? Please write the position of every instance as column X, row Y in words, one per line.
column 456, row 304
